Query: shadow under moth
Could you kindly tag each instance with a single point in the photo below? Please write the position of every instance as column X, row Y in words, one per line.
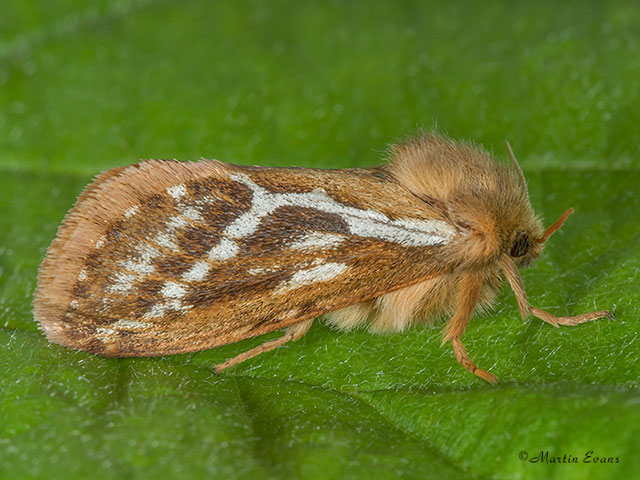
column 166, row 257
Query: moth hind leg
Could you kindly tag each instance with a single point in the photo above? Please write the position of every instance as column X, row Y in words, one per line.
column 292, row 333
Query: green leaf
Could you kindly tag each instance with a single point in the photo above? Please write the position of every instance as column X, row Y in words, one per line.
column 86, row 86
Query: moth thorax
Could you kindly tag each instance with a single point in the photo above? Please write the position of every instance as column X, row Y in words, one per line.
column 522, row 244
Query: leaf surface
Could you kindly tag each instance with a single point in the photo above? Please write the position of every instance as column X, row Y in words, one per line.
column 86, row 86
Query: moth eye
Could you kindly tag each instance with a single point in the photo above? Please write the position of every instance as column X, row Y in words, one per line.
column 521, row 245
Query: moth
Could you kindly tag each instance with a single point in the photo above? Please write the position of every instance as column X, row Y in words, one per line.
column 165, row 257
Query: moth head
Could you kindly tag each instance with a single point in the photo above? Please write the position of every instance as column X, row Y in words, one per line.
column 525, row 247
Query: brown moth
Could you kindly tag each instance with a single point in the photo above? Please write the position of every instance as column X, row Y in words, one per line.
column 165, row 257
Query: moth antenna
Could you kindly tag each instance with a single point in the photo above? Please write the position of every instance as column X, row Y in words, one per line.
column 556, row 225
column 517, row 166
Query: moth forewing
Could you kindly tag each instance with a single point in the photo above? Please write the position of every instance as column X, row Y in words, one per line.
column 166, row 257
column 203, row 254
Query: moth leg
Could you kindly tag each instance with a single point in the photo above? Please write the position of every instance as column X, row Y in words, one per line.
column 292, row 333
column 568, row 321
column 463, row 359
column 468, row 297
column 513, row 277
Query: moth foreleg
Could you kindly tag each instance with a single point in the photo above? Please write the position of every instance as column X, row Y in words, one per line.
column 568, row 321
column 468, row 295
column 513, row 277
column 292, row 333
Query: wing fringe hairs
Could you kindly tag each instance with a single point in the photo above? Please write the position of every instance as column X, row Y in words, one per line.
column 166, row 257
